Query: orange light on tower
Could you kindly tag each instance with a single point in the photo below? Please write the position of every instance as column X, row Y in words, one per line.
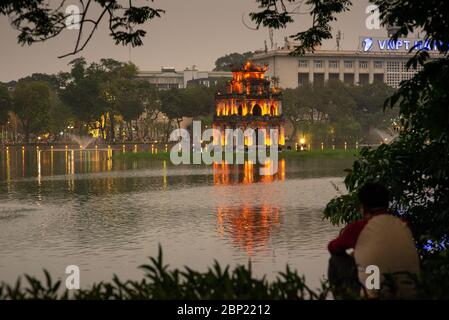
column 267, row 140
column 281, row 136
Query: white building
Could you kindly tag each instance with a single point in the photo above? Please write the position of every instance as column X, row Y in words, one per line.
column 376, row 59
column 168, row 77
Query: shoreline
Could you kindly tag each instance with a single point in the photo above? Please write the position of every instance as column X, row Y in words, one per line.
column 287, row 155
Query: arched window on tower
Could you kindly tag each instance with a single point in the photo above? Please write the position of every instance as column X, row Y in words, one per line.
column 272, row 110
column 257, row 110
column 240, row 110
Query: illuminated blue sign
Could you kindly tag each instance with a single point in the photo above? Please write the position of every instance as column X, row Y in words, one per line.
column 369, row 44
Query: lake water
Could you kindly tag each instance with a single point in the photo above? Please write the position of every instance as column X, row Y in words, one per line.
column 107, row 215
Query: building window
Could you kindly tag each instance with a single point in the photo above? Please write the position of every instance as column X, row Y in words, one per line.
column 393, row 79
column 404, row 66
column 363, row 64
column 393, row 66
column 349, row 64
column 378, row 65
column 364, row 79
column 318, row 79
column 334, row 76
column 348, row 78
column 378, row 77
column 333, row 64
column 303, row 63
column 318, row 63
column 303, row 79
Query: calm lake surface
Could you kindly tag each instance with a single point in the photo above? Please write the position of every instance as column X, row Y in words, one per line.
column 107, row 215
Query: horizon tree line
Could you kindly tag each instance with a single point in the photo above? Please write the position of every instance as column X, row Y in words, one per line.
column 108, row 101
column 105, row 100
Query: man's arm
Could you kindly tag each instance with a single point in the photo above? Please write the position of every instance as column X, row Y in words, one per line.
column 347, row 238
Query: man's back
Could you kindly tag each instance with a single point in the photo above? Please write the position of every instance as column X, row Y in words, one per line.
column 387, row 243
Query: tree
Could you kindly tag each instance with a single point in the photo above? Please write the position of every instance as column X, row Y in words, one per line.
column 128, row 102
column 323, row 114
column 369, row 111
column 78, row 71
column 192, row 102
column 232, row 60
column 415, row 167
column 60, row 115
column 149, row 96
column 5, row 104
column 89, row 92
column 277, row 14
column 85, row 101
column 52, row 80
column 199, row 101
column 171, row 104
column 31, row 100
column 297, row 104
column 121, row 91
column 108, row 96
column 40, row 20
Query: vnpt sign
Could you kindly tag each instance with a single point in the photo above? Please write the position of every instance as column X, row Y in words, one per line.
column 368, row 44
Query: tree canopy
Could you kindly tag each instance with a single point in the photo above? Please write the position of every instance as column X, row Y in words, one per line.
column 337, row 113
column 105, row 99
column 194, row 101
column 5, row 104
column 232, row 60
column 32, row 105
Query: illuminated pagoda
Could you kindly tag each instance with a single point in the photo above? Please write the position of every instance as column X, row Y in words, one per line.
column 250, row 101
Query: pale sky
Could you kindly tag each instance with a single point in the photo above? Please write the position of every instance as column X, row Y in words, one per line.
column 192, row 32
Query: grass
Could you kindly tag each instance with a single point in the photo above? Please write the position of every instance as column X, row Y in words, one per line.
column 143, row 155
column 320, row 154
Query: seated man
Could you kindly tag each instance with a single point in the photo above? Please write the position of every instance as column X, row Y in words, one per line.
column 379, row 240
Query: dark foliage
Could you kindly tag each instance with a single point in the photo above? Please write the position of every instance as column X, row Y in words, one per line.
column 40, row 20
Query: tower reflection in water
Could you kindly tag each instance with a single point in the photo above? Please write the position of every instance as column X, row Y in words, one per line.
column 250, row 225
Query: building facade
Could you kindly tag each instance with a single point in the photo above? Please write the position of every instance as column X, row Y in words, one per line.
column 352, row 67
column 250, row 101
column 168, row 77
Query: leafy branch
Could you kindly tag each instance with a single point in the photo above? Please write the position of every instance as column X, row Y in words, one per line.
column 38, row 22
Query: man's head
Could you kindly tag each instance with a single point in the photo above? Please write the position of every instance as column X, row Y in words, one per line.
column 374, row 198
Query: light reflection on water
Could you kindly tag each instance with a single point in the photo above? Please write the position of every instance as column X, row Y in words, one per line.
column 107, row 215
